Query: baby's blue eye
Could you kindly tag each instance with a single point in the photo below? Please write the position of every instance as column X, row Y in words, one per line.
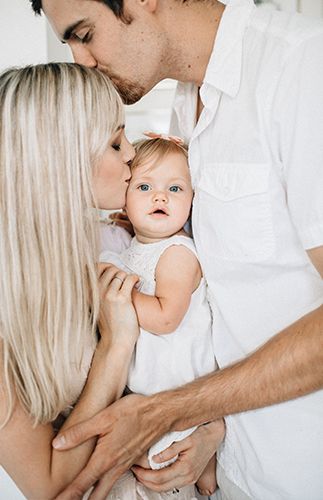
column 175, row 189
column 143, row 187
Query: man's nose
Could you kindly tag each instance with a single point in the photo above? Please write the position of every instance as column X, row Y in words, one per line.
column 82, row 55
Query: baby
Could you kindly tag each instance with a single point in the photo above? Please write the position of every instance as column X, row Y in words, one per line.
column 175, row 345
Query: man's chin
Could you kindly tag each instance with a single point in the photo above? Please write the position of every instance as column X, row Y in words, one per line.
column 130, row 96
column 129, row 92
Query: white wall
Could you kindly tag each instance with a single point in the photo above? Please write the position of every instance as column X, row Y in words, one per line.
column 22, row 35
column 311, row 7
column 8, row 490
column 308, row 7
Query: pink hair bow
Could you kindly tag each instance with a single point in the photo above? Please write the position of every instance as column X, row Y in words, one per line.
column 173, row 138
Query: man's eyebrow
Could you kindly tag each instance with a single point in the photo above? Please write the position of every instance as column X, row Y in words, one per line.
column 69, row 30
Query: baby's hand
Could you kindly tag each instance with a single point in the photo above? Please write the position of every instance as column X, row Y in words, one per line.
column 121, row 219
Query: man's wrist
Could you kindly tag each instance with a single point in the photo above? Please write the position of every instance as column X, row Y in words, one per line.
column 162, row 408
column 165, row 407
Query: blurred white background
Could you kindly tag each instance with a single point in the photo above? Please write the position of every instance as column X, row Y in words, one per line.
column 27, row 39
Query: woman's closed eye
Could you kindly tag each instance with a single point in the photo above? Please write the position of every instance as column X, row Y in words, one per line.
column 115, row 146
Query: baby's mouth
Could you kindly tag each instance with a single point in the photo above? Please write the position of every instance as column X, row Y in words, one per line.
column 159, row 211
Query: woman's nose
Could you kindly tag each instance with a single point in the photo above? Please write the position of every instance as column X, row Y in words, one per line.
column 82, row 55
column 129, row 153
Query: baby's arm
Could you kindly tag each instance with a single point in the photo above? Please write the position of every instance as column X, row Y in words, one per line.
column 178, row 274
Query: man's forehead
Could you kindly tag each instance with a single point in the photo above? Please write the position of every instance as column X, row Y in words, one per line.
column 66, row 15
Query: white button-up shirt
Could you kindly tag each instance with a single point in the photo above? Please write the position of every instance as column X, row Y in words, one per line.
column 256, row 159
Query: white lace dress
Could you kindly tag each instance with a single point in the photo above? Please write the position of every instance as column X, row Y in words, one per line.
column 126, row 487
column 162, row 362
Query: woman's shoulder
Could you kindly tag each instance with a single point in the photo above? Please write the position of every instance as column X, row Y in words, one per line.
column 114, row 238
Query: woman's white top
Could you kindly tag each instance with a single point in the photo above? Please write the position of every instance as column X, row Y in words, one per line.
column 162, row 362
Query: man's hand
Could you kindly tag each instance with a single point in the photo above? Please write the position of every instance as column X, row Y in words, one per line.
column 125, row 431
column 194, row 453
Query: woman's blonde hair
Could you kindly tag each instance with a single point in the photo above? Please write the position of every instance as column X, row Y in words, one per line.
column 55, row 123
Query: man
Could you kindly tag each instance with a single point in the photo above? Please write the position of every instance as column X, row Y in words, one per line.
column 254, row 81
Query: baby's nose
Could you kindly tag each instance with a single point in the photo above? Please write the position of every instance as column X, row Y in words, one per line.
column 160, row 196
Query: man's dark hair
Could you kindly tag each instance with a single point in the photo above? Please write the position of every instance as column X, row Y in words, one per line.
column 115, row 5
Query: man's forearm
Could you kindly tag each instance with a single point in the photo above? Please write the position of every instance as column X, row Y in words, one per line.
column 288, row 366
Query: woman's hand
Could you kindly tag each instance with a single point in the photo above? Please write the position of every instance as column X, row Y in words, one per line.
column 118, row 320
column 194, row 453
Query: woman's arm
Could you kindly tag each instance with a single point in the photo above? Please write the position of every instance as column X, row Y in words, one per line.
column 25, row 451
column 178, row 274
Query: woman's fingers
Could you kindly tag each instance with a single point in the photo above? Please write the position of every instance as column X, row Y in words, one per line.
column 128, row 283
column 117, row 319
column 106, row 274
column 194, row 454
column 117, row 280
column 103, row 486
column 170, row 452
column 143, row 461
column 176, row 475
column 111, row 276
column 102, row 267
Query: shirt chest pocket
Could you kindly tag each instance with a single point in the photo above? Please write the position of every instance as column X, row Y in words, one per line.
column 232, row 211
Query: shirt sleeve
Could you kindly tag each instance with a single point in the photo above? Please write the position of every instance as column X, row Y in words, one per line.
column 298, row 116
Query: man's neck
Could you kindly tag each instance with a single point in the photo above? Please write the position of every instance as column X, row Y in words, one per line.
column 192, row 39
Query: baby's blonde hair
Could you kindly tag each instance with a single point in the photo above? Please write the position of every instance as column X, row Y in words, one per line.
column 55, row 123
column 156, row 148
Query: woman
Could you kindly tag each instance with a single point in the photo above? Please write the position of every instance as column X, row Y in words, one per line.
column 60, row 156
column 63, row 152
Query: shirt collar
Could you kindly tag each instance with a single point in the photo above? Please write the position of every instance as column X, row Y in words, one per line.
column 224, row 69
